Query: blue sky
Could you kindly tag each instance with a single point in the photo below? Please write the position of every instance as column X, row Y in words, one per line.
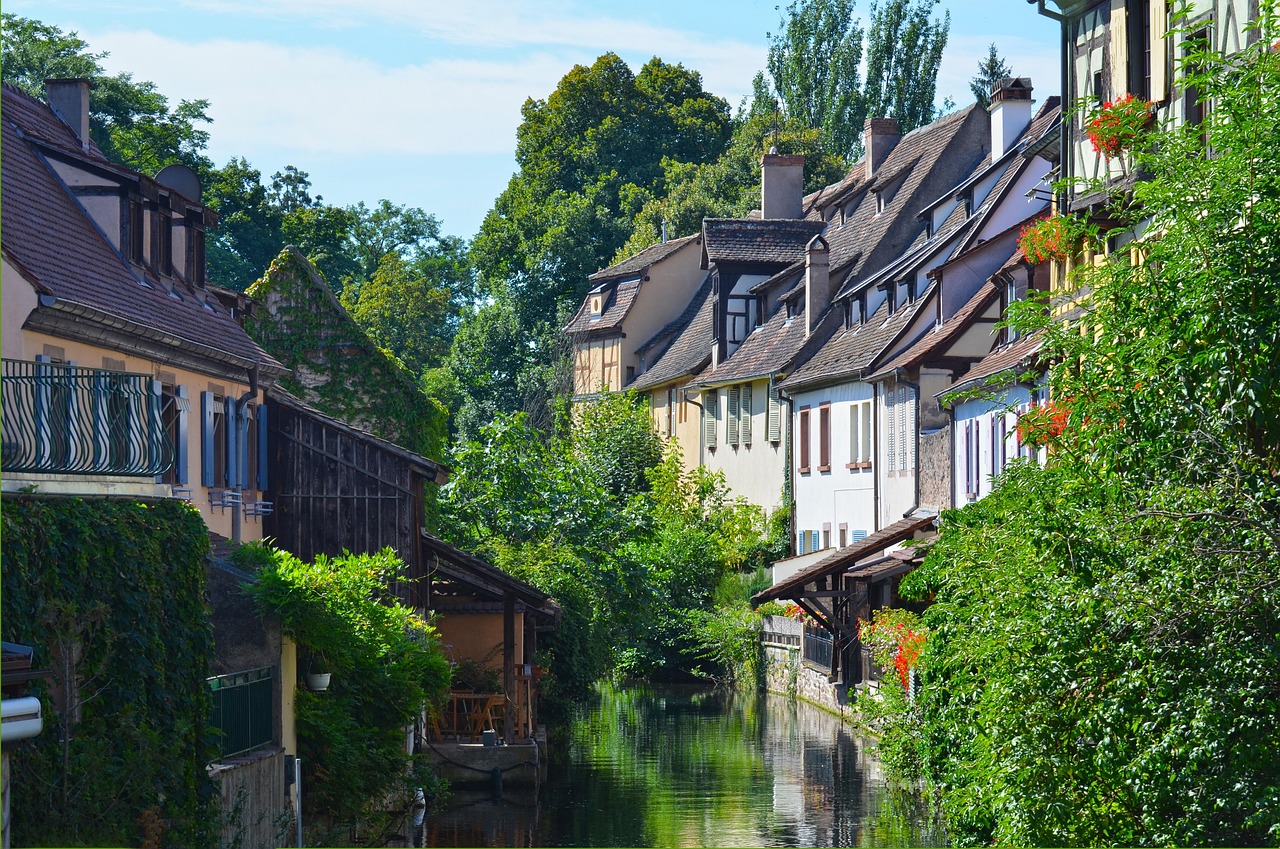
column 418, row 102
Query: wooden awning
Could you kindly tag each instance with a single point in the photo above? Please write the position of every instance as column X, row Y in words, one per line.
column 846, row 560
column 453, row 571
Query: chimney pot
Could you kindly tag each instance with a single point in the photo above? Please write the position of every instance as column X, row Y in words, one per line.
column 1010, row 113
column 70, row 99
column 782, row 185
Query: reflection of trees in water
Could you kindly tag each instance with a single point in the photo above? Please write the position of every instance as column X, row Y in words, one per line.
column 671, row 766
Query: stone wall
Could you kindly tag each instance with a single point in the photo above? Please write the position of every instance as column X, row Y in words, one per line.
column 786, row 673
column 256, row 811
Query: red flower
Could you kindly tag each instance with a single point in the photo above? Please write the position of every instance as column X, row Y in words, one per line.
column 1046, row 239
column 1118, row 124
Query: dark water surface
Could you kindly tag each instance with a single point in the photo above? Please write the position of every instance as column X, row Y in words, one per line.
column 680, row 766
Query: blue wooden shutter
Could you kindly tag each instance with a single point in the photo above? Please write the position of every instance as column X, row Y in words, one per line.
column 262, row 447
column 207, row 402
column 242, row 441
column 180, row 439
column 233, row 444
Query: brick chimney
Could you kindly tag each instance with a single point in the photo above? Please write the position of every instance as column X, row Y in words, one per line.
column 817, row 282
column 1010, row 113
column 70, row 99
column 781, row 185
column 879, row 137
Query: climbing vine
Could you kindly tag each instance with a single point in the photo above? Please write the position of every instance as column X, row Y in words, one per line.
column 335, row 367
column 111, row 595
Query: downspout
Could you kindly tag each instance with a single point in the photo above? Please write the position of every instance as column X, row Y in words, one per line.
column 790, row 476
column 702, row 441
column 877, row 468
column 1064, row 143
column 239, row 413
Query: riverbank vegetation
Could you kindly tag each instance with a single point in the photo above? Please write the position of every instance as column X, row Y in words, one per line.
column 1102, row 663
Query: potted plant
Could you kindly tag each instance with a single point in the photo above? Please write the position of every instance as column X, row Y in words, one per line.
column 317, row 675
column 1118, row 124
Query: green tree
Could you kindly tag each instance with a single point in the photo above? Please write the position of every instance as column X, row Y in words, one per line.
column 249, row 232
column 904, row 50
column 815, row 63
column 130, row 121
column 991, row 70
column 1102, row 663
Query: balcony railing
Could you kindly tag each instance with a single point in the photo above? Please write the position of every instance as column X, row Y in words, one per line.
column 242, row 710
column 64, row 419
column 818, row 646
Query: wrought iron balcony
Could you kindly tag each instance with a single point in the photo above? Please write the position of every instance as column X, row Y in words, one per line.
column 64, row 419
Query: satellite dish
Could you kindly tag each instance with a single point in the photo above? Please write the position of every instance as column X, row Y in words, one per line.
column 182, row 180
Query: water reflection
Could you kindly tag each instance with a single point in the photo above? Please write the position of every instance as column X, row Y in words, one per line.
column 670, row 766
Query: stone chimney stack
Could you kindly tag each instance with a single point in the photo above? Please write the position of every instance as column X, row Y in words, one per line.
column 1010, row 113
column 70, row 99
column 817, row 282
column 781, row 185
column 879, row 137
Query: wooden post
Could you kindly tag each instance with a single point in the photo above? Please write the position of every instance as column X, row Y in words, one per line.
column 509, row 666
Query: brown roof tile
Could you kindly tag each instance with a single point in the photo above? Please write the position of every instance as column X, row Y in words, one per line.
column 768, row 349
column 857, row 350
column 47, row 232
column 1020, row 354
column 637, row 263
column 938, row 338
column 687, row 340
column 772, row 240
column 620, row 297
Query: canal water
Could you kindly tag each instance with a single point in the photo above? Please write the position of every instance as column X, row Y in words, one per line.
column 684, row 766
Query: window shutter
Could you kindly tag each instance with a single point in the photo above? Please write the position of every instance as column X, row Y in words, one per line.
column 732, row 415
column 866, row 432
column 801, row 539
column 891, row 420
column 814, row 538
column 744, row 426
column 709, row 416
column 155, row 434
column 207, row 402
column 910, row 435
column 242, row 462
column 1159, row 50
column 824, row 437
column 803, row 427
column 233, row 440
column 773, row 418
column 262, row 447
column 180, row 440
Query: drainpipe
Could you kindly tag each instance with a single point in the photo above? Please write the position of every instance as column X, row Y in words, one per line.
column 877, row 468
column 702, row 441
column 239, row 413
column 784, row 401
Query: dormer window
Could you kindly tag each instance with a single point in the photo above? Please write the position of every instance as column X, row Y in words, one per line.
column 135, row 230
column 597, row 305
column 164, row 257
column 842, row 216
column 891, row 295
column 881, row 200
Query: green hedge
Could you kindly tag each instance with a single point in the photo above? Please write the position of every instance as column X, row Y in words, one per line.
column 125, row 582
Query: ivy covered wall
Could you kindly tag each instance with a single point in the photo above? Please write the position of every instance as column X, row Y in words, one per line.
column 111, row 595
column 336, row 367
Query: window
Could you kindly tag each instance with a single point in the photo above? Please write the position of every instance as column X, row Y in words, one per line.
column 597, row 302
column 880, row 202
column 844, row 534
column 907, row 424
column 860, row 435
column 135, row 230
column 710, row 414
column 891, row 429
column 802, row 539
column 631, row 375
column 214, row 439
column 1010, row 296
column 195, row 251
column 803, row 433
column 826, row 535
column 1195, row 108
column 164, row 256
column 773, row 417
column 824, row 438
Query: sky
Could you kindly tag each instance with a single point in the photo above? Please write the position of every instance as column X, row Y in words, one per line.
column 418, row 101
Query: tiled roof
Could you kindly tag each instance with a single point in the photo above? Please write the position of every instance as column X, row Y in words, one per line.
column 637, row 263
column 1018, row 354
column 844, row 558
column 925, row 162
column 53, row 240
column 689, row 347
column 938, row 338
column 779, row 240
column 620, row 301
column 768, row 349
column 857, row 350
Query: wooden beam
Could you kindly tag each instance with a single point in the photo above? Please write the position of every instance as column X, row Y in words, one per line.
column 509, row 666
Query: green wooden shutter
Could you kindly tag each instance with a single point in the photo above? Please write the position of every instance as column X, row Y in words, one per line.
column 733, row 414
column 744, row 426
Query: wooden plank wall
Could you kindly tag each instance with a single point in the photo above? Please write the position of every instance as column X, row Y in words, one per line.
column 256, row 812
column 333, row 491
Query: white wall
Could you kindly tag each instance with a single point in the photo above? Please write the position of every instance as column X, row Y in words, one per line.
column 756, row 471
column 977, row 443
column 826, row 500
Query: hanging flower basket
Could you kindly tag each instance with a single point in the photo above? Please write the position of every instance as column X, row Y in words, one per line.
column 1118, row 124
column 1047, row 239
column 1043, row 424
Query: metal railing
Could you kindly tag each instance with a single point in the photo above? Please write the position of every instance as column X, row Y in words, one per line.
column 64, row 419
column 817, row 647
column 242, row 710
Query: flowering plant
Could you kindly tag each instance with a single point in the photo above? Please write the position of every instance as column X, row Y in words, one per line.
column 1118, row 124
column 1041, row 424
column 896, row 637
column 1047, row 238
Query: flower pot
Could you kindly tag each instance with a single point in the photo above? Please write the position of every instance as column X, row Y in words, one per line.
column 318, row 681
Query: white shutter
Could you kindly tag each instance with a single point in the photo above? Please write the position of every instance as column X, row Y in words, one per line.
column 744, row 425
column 773, row 418
column 891, row 425
column 709, row 415
column 1159, row 50
column 855, row 432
